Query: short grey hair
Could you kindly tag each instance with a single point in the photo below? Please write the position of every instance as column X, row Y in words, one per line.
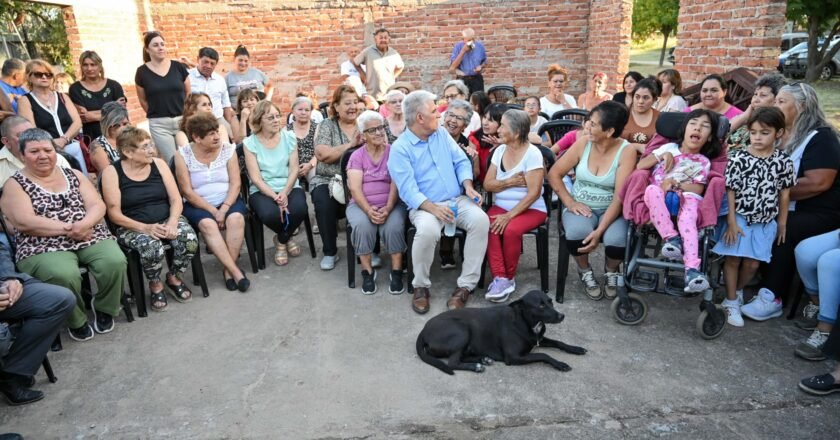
column 12, row 65
column 301, row 99
column 367, row 116
column 33, row 135
column 112, row 114
column 11, row 122
column 461, row 104
column 774, row 81
column 413, row 103
column 520, row 123
column 458, row 84
column 394, row 94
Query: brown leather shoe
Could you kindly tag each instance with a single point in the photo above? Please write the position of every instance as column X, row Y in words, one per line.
column 420, row 302
column 459, row 298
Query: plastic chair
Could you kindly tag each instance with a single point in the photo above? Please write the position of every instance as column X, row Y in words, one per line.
column 574, row 114
column 557, row 129
column 502, row 93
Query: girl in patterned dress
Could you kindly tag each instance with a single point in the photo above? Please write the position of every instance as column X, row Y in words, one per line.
column 683, row 169
column 758, row 182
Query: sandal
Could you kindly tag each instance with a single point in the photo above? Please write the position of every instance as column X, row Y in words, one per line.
column 293, row 248
column 158, row 298
column 281, row 255
column 179, row 292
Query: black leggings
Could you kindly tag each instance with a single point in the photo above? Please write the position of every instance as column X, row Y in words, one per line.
column 778, row 273
column 327, row 213
column 269, row 213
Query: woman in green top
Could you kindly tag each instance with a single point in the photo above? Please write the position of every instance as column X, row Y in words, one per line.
column 271, row 158
column 592, row 211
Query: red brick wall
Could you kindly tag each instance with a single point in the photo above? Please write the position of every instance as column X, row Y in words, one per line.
column 716, row 36
column 610, row 22
column 301, row 45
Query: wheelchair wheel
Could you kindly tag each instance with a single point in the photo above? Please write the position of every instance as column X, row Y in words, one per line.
column 631, row 312
column 711, row 327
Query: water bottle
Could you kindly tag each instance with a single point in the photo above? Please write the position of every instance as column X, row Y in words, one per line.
column 449, row 228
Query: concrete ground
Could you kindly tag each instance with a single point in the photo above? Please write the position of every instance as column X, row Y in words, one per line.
column 301, row 356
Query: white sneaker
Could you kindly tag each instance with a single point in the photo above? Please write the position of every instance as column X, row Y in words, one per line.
column 328, row 262
column 733, row 312
column 763, row 307
column 500, row 289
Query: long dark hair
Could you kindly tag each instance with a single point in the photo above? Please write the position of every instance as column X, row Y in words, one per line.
column 712, row 147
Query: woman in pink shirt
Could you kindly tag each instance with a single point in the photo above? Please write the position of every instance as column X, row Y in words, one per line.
column 375, row 208
column 712, row 97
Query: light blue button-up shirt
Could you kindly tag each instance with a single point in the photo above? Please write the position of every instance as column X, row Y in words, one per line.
column 433, row 170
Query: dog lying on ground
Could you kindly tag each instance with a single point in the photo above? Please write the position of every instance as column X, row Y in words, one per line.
column 471, row 338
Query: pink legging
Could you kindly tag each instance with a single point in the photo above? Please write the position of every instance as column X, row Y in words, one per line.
column 686, row 222
column 503, row 250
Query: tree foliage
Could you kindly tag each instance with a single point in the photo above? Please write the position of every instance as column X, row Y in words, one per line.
column 655, row 16
column 820, row 17
column 41, row 29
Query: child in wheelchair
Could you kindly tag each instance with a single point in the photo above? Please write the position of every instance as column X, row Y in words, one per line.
column 758, row 182
column 676, row 187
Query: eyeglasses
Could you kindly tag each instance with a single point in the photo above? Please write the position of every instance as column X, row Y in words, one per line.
column 374, row 130
column 532, row 106
column 395, row 102
column 42, row 75
column 451, row 97
column 456, row 117
column 147, row 147
column 271, row 118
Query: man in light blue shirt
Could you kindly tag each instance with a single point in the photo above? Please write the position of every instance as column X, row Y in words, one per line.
column 468, row 60
column 429, row 170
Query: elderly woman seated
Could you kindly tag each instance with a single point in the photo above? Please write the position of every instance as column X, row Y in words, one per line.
column 207, row 171
column 515, row 176
column 375, row 207
column 57, row 217
column 271, row 157
column 145, row 205
column 102, row 150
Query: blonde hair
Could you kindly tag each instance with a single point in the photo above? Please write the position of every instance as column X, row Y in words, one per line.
column 32, row 65
column 93, row 56
column 262, row 108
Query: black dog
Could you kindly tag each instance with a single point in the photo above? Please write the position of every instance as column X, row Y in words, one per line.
column 471, row 338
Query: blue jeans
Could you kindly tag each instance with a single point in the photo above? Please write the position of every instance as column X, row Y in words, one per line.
column 818, row 262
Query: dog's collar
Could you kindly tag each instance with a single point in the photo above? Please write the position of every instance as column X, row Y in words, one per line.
column 538, row 327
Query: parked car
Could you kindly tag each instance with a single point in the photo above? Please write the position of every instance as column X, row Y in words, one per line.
column 796, row 64
column 792, row 39
column 801, row 47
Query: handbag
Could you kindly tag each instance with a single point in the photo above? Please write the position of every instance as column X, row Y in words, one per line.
column 336, row 187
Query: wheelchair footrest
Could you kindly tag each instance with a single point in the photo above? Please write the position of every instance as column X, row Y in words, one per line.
column 675, row 285
column 644, row 280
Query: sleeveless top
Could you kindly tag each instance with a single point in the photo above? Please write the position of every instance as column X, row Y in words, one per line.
column 143, row 201
column 306, row 145
column 55, row 122
column 112, row 153
column 210, row 182
column 594, row 191
column 66, row 206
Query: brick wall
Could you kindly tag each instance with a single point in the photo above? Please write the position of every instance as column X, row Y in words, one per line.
column 301, row 44
column 609, row 43
column 716, row 36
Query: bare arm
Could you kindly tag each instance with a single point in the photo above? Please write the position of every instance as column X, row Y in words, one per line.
column 182, row 176
column 561, row 168
column 293, row 172
column 253, row 168
column 141, row 97
column 94, row 206
column 113, row 200
column 354, row 184
column 187, row 87
column 534, row 183
column 625, row 167
column 25, row 110
column 176, row 204
column 329, row 154
column 812, row 183
column 17, row 207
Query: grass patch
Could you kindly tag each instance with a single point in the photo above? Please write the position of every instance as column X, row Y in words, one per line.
column 829, row 96
column 644, row 56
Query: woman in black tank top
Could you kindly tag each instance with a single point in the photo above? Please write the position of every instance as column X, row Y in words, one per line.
column 145, row 206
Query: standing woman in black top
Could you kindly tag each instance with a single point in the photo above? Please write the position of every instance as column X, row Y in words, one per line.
column 162, row 87
column 51, row 111
column 91, row 92
column 144, row 203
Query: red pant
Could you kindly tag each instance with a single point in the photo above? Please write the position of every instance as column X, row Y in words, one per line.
column 503, row 250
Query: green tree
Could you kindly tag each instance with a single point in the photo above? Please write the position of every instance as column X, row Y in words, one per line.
column 819, row 17
column 655, row 16
column 41, row 29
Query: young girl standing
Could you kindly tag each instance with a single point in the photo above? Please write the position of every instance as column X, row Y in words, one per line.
column 684, row 170
column 758, row 181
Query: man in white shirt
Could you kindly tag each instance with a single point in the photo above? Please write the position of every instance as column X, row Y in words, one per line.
column 10, row 156
column 204, row 79
column 383, row 65
column 351, row 76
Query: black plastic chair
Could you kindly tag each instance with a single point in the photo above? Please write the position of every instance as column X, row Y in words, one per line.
column 545, row 116
column 322, row 107
column 258, row 234
column 348, row 230
column 502, row 93
column 575, row 114
column 557, row 129
column 14, row 324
